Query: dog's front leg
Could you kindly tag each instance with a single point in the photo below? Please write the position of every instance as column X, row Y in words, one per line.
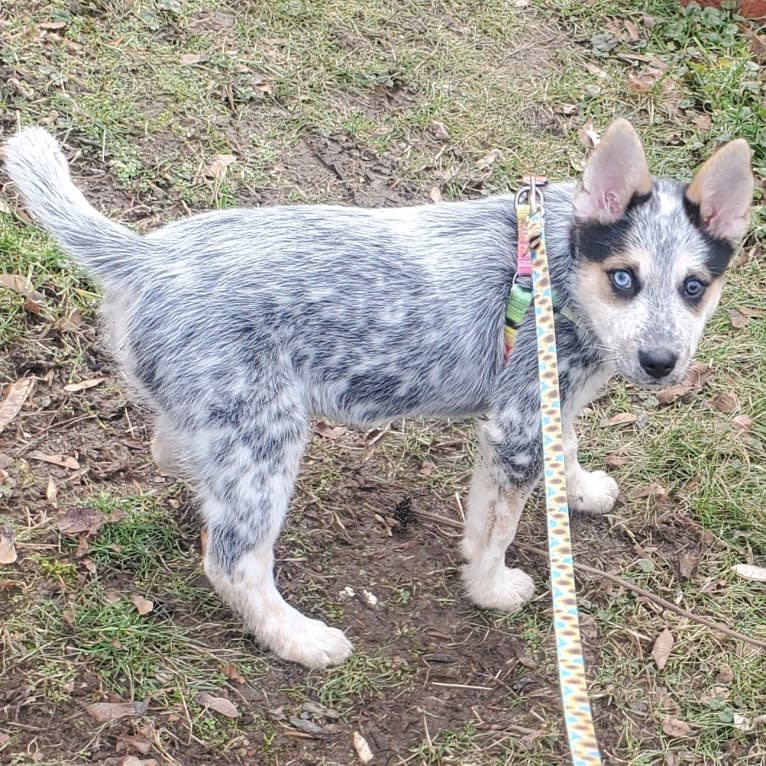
column 592, row 491
column 495, row 504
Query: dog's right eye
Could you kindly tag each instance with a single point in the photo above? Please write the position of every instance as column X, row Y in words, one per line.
column 624, row 282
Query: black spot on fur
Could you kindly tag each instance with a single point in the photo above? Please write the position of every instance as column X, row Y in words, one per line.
column 719, row 250
column 599, row 241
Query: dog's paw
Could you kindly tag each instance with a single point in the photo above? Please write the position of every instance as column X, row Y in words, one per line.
column 505, row 588
column 309, row 642
column 592, row 492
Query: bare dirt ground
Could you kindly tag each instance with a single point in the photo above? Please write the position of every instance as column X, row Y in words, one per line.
column 371, row 543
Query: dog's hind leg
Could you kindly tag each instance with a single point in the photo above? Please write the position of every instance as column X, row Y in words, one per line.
column 494, row 509
column 248, row 473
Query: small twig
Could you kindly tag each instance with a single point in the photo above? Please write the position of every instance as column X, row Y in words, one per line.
column 647, row 594
column 669, row 605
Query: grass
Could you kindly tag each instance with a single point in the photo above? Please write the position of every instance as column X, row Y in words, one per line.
column 371, row 102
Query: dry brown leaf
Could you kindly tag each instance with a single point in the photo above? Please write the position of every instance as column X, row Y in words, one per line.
column 645, row 81
column 217, row 168
column 725, row 675
column 724, row 402
column 655, row 490
column 70, row 321
column 101, row 712
column 264, row 86
column 231, row 672
column 687, row 563
column 743, row 423
column 750, row 572
column 363, row 751
column 696, row 376
column 7, row 548
column 675, row 728
column 132, row 760
column 143, row 605
column 5, row 460
column 323, row 428
column 84, row 385
column 439, row 130
column 633, row 34
column 751, row 313
column 488, row 160
column 15, row 397
column 76, row 521
column 662, row 648
column 218, row 704
column 615, row 461
column 4, row 738
column 62, row 461
column 133, row 742
column 51, row 491
column 68, row 616
column 190, row 59
column 21, row 285
column 738, row 319
column 589, row 138
column 435, row 194
column 622, row 419
column 703, row 123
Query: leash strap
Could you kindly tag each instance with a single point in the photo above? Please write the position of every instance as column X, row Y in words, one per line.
column 574, row 692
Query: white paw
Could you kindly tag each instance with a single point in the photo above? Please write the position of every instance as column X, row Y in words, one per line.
column 505, row 588
column 306, row 641
column 592, row 492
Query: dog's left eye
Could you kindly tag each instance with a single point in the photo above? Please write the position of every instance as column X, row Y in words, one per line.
column 693, row 288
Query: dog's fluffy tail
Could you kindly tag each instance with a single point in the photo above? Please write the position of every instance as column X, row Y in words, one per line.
column 36, row 165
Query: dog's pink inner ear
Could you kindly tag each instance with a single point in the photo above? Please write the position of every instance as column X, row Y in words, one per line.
column 723, row 191
column 615, row 172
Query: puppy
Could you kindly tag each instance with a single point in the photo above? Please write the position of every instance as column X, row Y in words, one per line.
column 239, row 325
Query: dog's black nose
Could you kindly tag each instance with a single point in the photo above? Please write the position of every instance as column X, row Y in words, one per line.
column 657, row 363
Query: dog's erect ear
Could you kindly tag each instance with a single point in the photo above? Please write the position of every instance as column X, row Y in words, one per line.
column 615, row 172
column 723, row 192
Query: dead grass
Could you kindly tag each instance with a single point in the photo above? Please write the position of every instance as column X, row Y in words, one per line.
column 369, row 103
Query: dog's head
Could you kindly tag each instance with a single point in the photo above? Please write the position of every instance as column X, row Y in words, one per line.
column 650, row 253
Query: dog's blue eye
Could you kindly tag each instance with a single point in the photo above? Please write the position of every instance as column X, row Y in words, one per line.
column 693, row 288
column 622, row 280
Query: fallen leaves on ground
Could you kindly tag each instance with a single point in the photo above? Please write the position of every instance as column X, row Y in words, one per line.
column 724, row 402
column 696, row 376
column 76, row 521
column 588, row 136
column 217, row 168
column 62, row 461
column 143, row 605
column 101, row 712
column 131, row 760
column 662, row 648
column 231, row 672
column 83, row 385
column 622, row 419
column 363, row 751
column 14, row 400
column 21, row 285
column 217, row 704
column 329, row 431
column 750, row 572
column 673, row 727
column 7, row 547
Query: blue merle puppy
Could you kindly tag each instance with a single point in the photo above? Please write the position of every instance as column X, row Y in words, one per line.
column 239, row 325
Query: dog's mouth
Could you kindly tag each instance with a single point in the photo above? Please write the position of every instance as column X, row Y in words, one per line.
column 641, row 379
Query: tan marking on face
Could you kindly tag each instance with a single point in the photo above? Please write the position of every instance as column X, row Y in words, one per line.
column 710, row 299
